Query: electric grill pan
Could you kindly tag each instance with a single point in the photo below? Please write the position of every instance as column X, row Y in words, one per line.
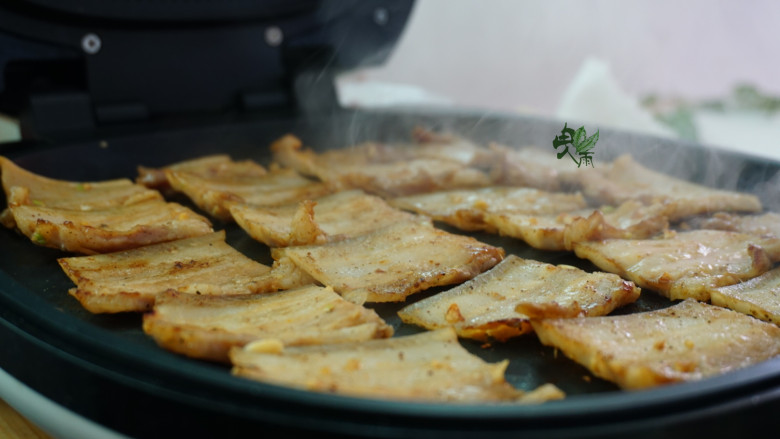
column 104, row 368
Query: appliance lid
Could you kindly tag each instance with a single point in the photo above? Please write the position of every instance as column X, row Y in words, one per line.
column 72, row 68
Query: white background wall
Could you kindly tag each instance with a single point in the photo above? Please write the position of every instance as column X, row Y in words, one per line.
column 522, row 54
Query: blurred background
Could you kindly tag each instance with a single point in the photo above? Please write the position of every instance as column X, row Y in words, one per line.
column 697, row 69
column 701, row 70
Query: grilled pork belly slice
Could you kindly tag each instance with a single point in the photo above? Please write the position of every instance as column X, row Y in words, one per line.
column 285, row 274
column 217, row 166
column 61, row 194
column 108, row 230
column 629, row 220
column 430, row 366
column 540, row 231
column 214, row 193
column 288, row 151
column 207, row 327
column 390, row 263
column 682, row 265
column 685, row 342
column 23, row 187
column 448, row 146
column 625, row 179
column 407, row 177
column 329, row 218
column 758, row 297
column 561, row 231
column 532, row 167
column 130, row 280
column 377, row 169
column 466, row 208
column 765, row 224
column 497, row 304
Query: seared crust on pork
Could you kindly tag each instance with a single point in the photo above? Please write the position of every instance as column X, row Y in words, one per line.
column 758, row 297
column 132, row 279
column 23, row 187
column 390, row 263
column 764, row 225
column 41, row 191
column 682, row 265
column 430, row 366
column 625, row 179
column 466, row 208
column 532, row 167
column 685, row 342
column 378, row 169
column 211, row 167
column 207, row 327
column 497, row 304
column 110, row 229
column 329, row 218
column 213, row 194
column 561, row 231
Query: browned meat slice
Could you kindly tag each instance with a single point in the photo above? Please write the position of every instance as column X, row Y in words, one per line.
column 496, row 304
column 393, row 262
column 130, row 280
column 329, row 218
column 448, row 146
column 682, row 265
column 377, row 169
column 207, row 327
column 211, row 167
column 685, row 342
column 466, row 208
column 759, row 297
column 630, row 220
column 561, row 231
column 764, row 224
column 540, row 231
column 92, row 217
column 624, row 179
column 430, row 366
column 289, row 152
column 407, row 177
column 26, row 188
column 110, row 229
column 533, row 167
column 285, row 275
column 235, row 184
